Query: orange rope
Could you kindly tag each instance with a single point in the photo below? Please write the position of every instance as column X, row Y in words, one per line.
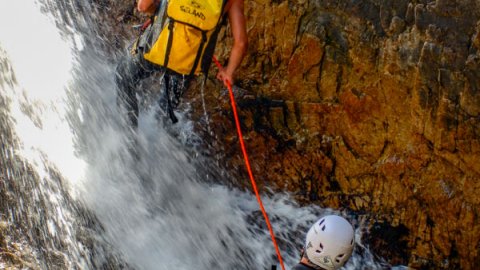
column 249, row 169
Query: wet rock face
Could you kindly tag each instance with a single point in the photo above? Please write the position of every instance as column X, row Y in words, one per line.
column 377, row 110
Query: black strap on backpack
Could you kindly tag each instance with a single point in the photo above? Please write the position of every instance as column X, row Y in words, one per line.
column 210, row 48
column 169, row 42
column 199, row 53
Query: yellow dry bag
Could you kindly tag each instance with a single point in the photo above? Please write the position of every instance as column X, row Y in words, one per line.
column 191, row 27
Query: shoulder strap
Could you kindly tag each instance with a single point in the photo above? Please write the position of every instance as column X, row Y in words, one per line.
column 169, row 42
column 210, row 48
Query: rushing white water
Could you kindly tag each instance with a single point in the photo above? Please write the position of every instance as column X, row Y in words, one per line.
column 156, row 211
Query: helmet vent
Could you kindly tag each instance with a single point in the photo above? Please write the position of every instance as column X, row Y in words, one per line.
column 321, row 222
column 323, row 228
column 351, row 243
column 339, row 257
column 321, row 248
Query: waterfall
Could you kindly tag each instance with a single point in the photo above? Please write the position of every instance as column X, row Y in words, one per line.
column 82, row 199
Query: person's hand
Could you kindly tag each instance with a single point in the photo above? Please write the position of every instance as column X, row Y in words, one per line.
column 147, row 6
column 225, row 76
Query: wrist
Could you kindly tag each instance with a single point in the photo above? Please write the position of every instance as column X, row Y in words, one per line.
column 230, row 71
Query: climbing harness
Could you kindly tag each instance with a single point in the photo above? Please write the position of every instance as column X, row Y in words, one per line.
column 249, row 169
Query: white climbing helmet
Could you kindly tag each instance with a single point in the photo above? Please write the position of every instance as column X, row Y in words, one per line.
column 329, row 242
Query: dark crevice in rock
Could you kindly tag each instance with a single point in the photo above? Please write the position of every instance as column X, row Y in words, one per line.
column 351, row 149
column 339, row 81
column 320, row 73
column 387, row 240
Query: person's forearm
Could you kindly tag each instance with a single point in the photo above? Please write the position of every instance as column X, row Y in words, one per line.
column 239, row 33
column 236, row 56
column 240, row 41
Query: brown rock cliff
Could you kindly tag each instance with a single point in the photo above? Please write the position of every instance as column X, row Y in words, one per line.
column 371, row 106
